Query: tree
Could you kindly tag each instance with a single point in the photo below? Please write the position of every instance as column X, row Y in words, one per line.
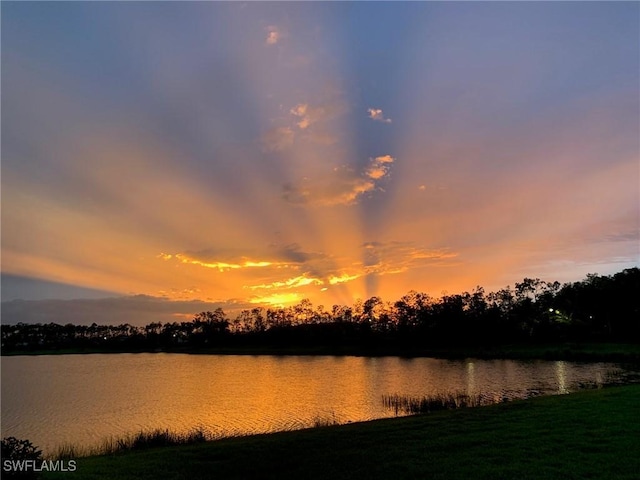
column 16, row 449
column 211, row 324
column 412, row 310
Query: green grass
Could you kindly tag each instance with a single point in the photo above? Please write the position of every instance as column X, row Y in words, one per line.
column 404, row 404
column 138, row 441
column 588, row 435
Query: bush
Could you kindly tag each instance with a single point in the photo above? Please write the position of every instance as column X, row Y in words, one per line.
column 16, row 449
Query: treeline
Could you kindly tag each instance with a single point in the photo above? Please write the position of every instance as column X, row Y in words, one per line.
column 598, row 308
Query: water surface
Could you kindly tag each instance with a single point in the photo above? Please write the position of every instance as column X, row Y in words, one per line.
column 83, row 399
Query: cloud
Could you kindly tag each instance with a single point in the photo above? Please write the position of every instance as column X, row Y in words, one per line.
column 222, row 261
column 274, row 35
column 378, row 115
column 277, row 139
column 284, row 273
column 341, row 186
column 134, row 309
column 181, row 293
column 274, row 272
column 343, row 278
column 295, row 282
column 222, row 266
column 379, row 258
column 300, row 110
column 397, row 257
column 324, row 192
column 379, row 167
column 275, row 256
column 292, row 253
column 312, row 114
column 307, row 121
column 283, row 137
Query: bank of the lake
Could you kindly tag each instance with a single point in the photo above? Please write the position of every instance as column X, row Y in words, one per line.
column 596, row 352
column 590, row 434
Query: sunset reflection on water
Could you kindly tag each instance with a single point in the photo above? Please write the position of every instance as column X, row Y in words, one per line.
column 84, row 399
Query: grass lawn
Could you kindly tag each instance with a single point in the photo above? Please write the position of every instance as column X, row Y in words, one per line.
column 587, row 435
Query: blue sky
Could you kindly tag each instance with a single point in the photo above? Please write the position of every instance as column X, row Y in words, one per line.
column 242, row 154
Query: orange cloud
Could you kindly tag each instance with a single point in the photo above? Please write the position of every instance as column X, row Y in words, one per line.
column 342, row 186
column 322, row 112
column 219, row 265
column 334, row 280
column 277, row 256
column 296, row 282
column 377, row 115
column 397, row 257
column 379, row 167
column 274, row 35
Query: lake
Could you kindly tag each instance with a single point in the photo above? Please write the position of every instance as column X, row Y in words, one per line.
column 84, row 399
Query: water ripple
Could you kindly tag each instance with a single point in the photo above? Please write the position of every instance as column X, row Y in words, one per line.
column 83, row 399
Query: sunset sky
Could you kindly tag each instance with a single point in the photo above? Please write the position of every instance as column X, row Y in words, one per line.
column 163, row 158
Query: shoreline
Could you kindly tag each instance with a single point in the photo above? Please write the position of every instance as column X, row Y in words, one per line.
column 613, row 352
column 588, row 434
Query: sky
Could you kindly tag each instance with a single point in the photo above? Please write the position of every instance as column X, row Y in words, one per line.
column 164, row 158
